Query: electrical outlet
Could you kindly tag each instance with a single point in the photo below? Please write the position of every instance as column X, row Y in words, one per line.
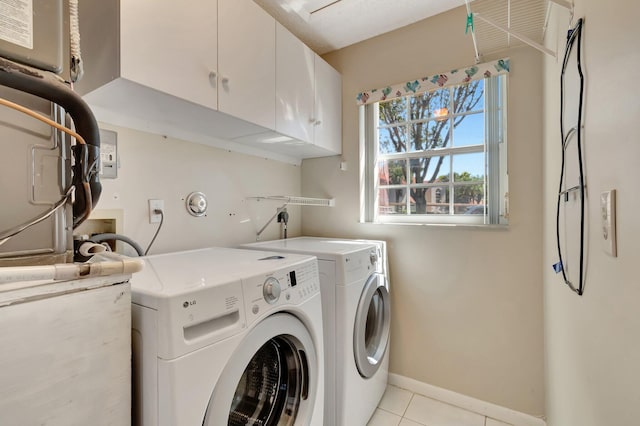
column 155, row 205
column 608, row 217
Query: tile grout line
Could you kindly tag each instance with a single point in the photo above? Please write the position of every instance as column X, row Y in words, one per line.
column 407, row 407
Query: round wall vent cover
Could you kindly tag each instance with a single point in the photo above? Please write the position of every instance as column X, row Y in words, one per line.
column 197, row 204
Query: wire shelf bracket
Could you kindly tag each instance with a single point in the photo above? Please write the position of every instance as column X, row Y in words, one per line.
column 287, row 200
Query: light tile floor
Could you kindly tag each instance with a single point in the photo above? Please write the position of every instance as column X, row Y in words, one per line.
column 400, row 407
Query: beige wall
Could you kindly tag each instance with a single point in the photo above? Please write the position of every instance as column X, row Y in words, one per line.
column 593, row 342
column 467, row 303
column 157, row 167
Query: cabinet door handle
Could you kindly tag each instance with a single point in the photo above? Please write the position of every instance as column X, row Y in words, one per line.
column 312, row 120
column 225, row 80
column 213, row 78
column 318, row 122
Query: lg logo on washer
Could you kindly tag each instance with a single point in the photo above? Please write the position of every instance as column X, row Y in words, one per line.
column 188, row 303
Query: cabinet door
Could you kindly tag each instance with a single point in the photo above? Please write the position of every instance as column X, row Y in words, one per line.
column 295, row 86
column 171, row 47
column 246, row 59
column 328, row 107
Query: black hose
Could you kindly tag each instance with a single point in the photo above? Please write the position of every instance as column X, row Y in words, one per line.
column 98, row 238
column 86, row 156
column 574, row 35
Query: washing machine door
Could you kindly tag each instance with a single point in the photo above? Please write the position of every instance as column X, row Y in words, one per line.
column 372, row 324
column 271, row 379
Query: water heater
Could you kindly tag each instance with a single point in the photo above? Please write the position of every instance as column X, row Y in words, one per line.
column 48, row 179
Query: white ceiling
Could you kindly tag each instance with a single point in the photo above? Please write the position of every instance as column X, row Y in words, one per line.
column 327, row 25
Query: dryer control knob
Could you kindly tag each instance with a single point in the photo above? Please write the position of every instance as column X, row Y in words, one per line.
column 271, row 290
column 373, row 257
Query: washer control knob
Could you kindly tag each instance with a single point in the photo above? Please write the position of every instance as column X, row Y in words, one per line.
column 271, row 290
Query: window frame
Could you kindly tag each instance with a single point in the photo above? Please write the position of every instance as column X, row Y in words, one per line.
column 495, row 171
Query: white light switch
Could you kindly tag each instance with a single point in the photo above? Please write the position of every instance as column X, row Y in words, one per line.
column 608, row 217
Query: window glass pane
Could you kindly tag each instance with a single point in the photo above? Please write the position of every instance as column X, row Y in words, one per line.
column 429, row 104
column 469, row 97
column 393, row 111
column 429, row 135
column 467, row 198
column 393, row 172
column 469, row 130
column 392, row 139
column 468, row 167
column 392, row 201
column 429, row 170
column 436, row 200
column 476, row 209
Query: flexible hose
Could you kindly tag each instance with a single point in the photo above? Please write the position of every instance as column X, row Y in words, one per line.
column 98, row 238
column 89, row 248
column 76, row 68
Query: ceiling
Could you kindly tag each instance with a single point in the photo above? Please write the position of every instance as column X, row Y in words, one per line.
column 327, row 25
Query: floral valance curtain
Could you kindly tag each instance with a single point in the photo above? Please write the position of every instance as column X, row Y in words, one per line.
column 436, row 81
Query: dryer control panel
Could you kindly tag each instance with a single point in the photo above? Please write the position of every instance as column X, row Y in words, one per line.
column 288, row 286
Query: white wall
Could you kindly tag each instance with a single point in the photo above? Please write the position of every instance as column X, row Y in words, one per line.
column 466, row 303
column 153, row 166
column 593, row 342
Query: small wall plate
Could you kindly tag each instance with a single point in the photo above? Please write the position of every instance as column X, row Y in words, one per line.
column 196, row 204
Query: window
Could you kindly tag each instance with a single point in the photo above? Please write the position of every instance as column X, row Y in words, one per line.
column 438, row 156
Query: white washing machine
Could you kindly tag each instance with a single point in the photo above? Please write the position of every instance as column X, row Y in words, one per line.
column 227, row 337
column 356, row 315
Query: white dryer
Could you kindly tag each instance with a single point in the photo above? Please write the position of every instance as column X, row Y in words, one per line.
column 227, row 337
column 356, row 315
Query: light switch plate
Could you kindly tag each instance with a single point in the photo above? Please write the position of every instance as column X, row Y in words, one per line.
column 608, row 218
column 108, row 154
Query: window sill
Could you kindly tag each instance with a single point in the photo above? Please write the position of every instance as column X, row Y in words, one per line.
column 475, row 226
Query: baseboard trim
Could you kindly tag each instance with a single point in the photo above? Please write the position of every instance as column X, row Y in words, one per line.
column 468, row 403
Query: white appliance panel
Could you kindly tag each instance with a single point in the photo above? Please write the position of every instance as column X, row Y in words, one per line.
column 66, row 357
column 197, row 290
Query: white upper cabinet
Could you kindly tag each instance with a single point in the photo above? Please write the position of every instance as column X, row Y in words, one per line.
column 308, row 95
column 246, row 62
column 173, row 50
column 328, row 107
column 295, row 86
column 205, row 71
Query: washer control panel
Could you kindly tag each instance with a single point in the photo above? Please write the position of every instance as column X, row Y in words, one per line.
column 287, row 286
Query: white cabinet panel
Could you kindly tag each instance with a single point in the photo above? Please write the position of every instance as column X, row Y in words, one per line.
column 328, row 107
column 246, row 59
column 308, row 95
column 295, row 86
column 66, row 356
column 174, row 50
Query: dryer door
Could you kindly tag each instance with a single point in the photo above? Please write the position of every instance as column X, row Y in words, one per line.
column 271, row 379
column 372, row 324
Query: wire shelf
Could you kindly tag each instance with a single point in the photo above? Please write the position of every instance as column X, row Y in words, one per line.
column 299, row 201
